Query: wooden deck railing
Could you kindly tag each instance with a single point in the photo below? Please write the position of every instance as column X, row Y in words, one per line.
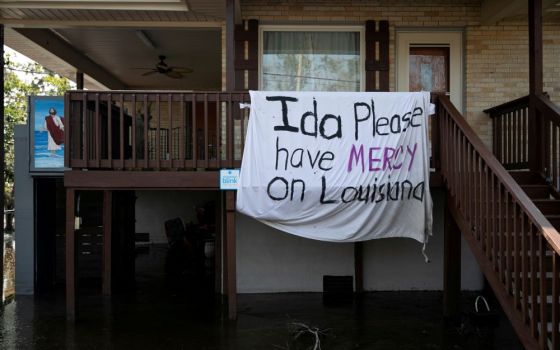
column 118, row 130
column 510, row 133
column 150, row 130
column 516, row 246
column 517, row 146
column 547, row 141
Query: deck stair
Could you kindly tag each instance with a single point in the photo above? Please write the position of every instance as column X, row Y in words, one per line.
column 508, row 215
column 545, row 197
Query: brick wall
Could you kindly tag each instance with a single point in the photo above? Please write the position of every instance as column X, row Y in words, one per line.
column 496, row 68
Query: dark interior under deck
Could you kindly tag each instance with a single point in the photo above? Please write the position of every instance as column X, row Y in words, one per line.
column 50, row 244
column 140, row 270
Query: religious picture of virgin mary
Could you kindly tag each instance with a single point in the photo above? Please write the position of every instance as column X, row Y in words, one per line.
column 48, row 125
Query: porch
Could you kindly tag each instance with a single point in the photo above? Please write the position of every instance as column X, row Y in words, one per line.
column 120, row 140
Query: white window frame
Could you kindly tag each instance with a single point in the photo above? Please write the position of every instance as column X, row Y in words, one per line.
column 314, row 28
column 407, row 38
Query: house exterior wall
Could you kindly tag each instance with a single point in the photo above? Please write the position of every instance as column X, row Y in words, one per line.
column 495, row 70
column 271, row 261
column 496, row 56
column 397, row 264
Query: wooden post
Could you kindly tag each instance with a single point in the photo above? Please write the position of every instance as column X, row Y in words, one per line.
column 2, row 160
column 230, row 256
column 70, row 257
column 230, row 45
column 230, row 246
column 79, row 80
column 535, row 48
column 359, row 267
column 536, row 127
column 451, row 266
column 377, row 64
column 218, row 244
column 224, row 244
column 107, row 236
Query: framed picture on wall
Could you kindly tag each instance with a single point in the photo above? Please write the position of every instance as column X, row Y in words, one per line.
column 46, row 133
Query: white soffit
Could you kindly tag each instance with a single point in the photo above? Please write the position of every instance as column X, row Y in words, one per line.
column 161, row 5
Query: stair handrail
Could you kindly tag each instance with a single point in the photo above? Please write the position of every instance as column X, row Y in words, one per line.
column 523, row 100
column 497, row 110
column 545, row 105
column 538, row 219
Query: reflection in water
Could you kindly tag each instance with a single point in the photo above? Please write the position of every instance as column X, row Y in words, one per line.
column 9, row 326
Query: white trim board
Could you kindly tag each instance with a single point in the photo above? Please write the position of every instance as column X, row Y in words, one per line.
column 167, row 5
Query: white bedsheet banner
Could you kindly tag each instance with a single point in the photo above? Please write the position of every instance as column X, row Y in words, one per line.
column 340, row 167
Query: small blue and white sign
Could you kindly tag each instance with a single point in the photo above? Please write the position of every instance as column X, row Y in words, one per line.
column 229, row 179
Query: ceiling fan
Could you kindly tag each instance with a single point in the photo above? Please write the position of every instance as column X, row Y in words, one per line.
column 162, row 67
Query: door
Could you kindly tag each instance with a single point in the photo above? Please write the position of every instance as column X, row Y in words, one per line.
column 431, row 61
column 428, row 69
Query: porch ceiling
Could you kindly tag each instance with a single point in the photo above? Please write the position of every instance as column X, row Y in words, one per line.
column 493, row 11
column 111, row 55
column 121, row 50
column 66, row 36
column 37, row 53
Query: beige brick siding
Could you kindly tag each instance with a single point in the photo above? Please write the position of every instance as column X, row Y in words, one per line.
column 496, row 69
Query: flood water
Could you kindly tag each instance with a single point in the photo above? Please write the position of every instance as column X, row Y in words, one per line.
column 157, row 316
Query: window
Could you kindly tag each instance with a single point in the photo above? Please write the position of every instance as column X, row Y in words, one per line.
column 318, row 59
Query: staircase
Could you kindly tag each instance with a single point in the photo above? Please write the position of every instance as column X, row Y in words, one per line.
column 507, row 214
column 546, row 199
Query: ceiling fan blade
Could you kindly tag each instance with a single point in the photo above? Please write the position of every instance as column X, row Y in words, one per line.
column 174, row 75
column 150, row 72
column 184, row 70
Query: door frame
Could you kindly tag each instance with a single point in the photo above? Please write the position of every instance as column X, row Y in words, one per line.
column 452, row 38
